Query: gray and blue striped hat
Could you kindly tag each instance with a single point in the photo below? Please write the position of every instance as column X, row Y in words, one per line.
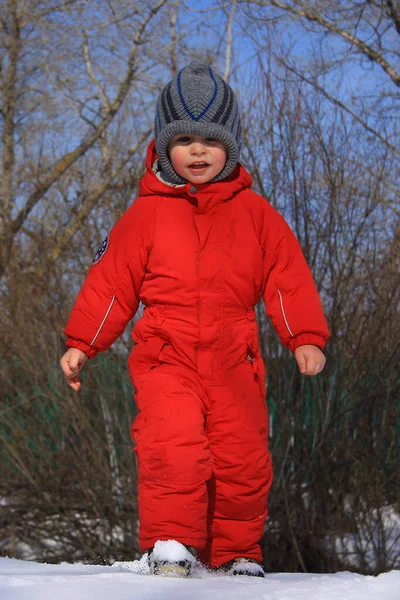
column 197, row 102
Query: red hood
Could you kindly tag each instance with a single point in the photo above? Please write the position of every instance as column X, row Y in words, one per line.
column 150, row 184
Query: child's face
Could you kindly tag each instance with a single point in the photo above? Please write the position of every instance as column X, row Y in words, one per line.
column 195, row 158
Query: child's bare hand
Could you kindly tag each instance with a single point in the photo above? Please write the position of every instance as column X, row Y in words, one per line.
column 71, row 364
column 310, row 359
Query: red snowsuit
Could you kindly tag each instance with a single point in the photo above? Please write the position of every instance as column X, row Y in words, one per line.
column 199, row 257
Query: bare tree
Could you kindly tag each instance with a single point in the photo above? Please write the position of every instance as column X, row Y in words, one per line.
column 359, row 37
column 22, row 25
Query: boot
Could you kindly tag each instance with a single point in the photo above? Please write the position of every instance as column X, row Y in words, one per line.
column 244, row 566
column 171, row 559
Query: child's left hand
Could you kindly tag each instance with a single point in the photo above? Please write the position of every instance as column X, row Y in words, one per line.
column 310, row 359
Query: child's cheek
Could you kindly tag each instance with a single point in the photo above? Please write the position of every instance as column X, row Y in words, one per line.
column 177, row 158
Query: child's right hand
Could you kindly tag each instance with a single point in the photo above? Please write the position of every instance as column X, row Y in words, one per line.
column 71, row 364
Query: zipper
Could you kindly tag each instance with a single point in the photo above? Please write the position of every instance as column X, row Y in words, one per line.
column 103, row 321
column 284, row 314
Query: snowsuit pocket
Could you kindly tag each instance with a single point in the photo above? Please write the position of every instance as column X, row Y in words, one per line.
column 146, row 355
column 255, row 359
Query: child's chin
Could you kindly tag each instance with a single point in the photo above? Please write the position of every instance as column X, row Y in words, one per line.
column 200, row 178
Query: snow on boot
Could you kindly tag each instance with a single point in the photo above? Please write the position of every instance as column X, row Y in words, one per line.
column 244, row 566
column 171, row 559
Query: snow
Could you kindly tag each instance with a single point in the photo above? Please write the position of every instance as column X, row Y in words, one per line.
column 377, row 536
column 23, row 580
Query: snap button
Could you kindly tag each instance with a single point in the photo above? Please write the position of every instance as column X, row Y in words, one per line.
column 193, row 189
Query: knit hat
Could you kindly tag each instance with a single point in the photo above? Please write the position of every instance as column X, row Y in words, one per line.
column 197, row 102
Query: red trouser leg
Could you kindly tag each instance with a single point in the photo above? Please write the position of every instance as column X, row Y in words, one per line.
column 237, row 428
column 174, row 458
column 204, row 465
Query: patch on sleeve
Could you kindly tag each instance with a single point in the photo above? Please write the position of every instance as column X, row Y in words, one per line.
column 100, row 252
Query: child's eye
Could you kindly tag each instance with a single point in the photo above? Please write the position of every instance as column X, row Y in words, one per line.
column 182, row 139
column 210, row 140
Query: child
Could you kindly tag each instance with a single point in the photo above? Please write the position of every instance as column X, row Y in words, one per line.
column 198, row 247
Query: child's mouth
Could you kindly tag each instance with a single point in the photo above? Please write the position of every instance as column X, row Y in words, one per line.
column 198, row 165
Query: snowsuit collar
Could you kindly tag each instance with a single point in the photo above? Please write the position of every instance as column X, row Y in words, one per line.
column 220, row 191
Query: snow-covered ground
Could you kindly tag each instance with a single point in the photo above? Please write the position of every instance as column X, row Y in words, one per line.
column 22, row 580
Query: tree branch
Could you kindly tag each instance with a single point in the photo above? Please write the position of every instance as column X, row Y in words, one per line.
column 9, row 96
column 104, row 99
column 394, row 14
column 89, row 203
column 339, row 104
column 49, row 11
column 311, row 15
column 67, row 160
column 228, row 53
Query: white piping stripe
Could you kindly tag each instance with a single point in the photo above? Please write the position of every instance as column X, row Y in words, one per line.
column 103, row 321
column 283, row 313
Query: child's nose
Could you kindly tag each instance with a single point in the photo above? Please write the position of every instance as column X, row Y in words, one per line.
column 198, row 148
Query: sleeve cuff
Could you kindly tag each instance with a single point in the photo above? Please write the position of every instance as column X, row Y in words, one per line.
column 88, row 350
column 303, row 339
